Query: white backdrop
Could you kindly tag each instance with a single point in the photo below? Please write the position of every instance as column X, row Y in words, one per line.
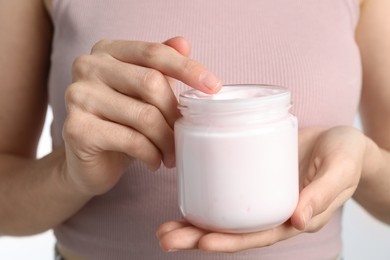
column 364, row 237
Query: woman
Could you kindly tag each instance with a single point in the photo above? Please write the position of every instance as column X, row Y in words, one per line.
column 102, row 188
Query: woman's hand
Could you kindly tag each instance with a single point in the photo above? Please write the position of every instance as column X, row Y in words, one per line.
column 330, row 169
column 121, row 107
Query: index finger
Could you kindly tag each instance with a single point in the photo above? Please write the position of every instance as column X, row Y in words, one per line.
column 165, row 59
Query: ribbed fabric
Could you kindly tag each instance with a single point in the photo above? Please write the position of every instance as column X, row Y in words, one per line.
column 305, row 45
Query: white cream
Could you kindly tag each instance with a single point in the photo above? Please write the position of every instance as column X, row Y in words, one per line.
column 237, row 158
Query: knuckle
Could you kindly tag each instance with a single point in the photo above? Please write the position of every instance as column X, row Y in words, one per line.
column 189, row 66
column 71, row 94
column 83, row 66
column 150, row 117
column 152, row 50
column 320, row 203
column 153, row 81
column 101, row 45
column 316, row 224
column 139, row 146
column 73, row 130
column 135, row 144
column 130, row 138
column 76, row 95
column 316, row 201
column 315, row 229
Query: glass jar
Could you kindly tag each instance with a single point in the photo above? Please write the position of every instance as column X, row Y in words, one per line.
column 237, row 158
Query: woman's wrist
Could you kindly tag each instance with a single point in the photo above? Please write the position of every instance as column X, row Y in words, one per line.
column 67, row 184
column 373, row 191
column 373, row 163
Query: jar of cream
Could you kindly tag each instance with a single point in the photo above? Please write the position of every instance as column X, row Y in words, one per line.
column 237, row 158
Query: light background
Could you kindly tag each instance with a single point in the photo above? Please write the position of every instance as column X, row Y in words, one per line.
column 364, row 237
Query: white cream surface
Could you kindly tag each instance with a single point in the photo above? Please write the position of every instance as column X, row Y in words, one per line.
column 237, row 92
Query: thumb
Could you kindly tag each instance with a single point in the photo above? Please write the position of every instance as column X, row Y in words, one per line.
column 321, row 194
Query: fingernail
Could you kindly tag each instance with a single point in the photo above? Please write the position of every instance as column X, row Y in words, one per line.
column 209, row 80
column 170, row 161
column 307, row 215
column 168, row 250
column 154, row 168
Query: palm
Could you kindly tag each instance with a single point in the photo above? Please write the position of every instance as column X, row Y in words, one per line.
column 330, row 166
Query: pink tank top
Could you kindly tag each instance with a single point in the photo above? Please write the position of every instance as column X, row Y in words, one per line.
column 307, row 46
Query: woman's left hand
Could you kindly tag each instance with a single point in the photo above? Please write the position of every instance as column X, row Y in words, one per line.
column 330, row 165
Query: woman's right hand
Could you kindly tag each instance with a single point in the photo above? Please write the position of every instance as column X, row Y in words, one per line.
column 121, row 107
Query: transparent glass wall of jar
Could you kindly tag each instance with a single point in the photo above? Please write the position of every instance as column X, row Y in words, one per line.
column 237, row 158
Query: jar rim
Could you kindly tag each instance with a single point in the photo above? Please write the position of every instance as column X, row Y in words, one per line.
column 237, row 94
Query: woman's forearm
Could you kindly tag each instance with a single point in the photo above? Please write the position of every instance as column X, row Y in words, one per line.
column 35, row 194
column 373, row 192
